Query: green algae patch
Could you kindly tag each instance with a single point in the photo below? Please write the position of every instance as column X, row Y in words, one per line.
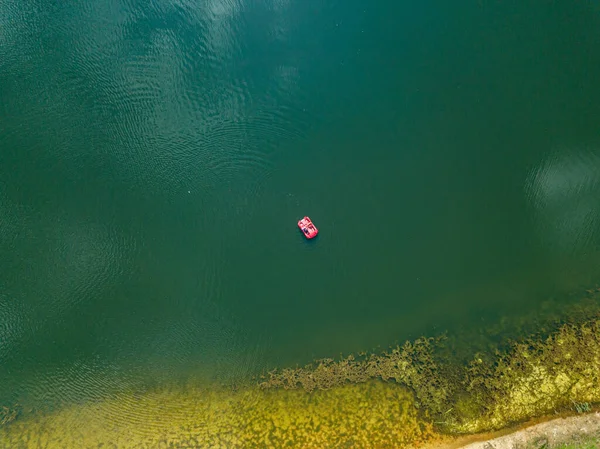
column 416, row 394
column 535, row 377
column 367, row 415
column 405, row 397
column 412, row 365
column 8, row 414
column 531, row 378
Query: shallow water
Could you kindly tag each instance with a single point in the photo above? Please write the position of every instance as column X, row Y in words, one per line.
column 155, row 157
column 369, row 416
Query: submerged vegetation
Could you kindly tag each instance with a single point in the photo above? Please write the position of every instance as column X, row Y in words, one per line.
column 528, row 378
column 411, row 365
column 8, row 414
column 410, row 395
column 534, row 378
column 368, row 415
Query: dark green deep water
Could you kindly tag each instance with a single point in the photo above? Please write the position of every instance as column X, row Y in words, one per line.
column 156, row 155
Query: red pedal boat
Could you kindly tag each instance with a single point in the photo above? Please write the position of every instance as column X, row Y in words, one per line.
column 308, row 228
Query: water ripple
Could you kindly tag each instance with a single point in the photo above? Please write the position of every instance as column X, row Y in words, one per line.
column 127, row 104
column 563, row 191
column 11, row 325
column 178, row 103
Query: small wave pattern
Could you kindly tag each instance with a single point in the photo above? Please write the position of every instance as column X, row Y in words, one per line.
column 59, row 267
column 564, row 191
column 188, row 93
column 55, row 266
column 166, row 97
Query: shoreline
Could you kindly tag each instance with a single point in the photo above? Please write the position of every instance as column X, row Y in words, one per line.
column 361, row 414
column 542, row 433
column 539, row 388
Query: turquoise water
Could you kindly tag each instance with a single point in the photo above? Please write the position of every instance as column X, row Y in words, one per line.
column 155, row 157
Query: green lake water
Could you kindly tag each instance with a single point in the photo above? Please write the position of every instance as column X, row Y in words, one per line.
column 155, row 157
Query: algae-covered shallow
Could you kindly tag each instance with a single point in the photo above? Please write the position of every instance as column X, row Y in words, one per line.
column 410, row 396
column 371, row 415
column 530, row 377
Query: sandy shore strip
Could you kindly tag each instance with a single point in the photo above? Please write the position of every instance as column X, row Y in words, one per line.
column 544, row 435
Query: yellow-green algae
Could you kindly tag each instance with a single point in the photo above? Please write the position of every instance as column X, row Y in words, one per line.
column 8, row 414
column 368, row 415
column 532, row 378
column 407, row 396
column 412, row 365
